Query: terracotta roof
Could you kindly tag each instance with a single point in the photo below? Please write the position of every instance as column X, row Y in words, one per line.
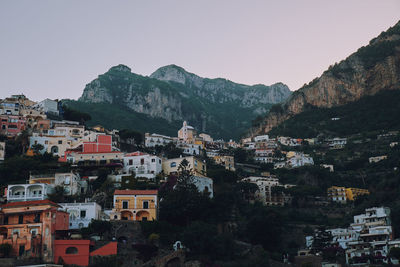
column 29, row 203
column 135, row 192
column 137, row 153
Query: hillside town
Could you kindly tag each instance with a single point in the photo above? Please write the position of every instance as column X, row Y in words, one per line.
column 89, row 205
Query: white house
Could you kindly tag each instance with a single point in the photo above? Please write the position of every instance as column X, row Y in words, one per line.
column 190, row 149
column 28, row 192
column 261, row 138
column 72, row 183
column 152, row 140
column 142, row 164
column 48, row 106
column 81, row 214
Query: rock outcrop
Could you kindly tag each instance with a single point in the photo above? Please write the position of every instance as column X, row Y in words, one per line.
column 173, row 94
column 371, row 69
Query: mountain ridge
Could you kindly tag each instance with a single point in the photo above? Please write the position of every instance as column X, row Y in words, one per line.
column 370, row 69
column 174, row 94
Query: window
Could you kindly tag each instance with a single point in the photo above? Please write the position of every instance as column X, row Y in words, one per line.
column 145, row 204
column 153, row 160
column 83, row 213
column 34, row 232
column 15, row 232
column 37, row 218
column 130, row 162
column 59, row 142
column 5, row 220
column 173, row 164
column 20, row 219
column 141, row 161
column 71, row 250
column 124, row 204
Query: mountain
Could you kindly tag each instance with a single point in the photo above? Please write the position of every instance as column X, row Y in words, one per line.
column 373, row 68
column 171, row 95
column 368, row 114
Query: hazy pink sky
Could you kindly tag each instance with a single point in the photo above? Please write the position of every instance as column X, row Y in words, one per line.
column 54, row 48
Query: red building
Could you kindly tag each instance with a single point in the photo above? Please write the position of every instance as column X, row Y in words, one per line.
column 103, row 144
column 30, row 226
column 92, row 150
column 78, row 252
column 11, row 125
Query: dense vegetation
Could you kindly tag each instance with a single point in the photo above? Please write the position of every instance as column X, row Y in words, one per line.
column 209, row 108
column 370, row 113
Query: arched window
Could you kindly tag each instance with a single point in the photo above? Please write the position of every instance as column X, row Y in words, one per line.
column 71, row 250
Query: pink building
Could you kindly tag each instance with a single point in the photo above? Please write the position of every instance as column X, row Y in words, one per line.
column 12, row 125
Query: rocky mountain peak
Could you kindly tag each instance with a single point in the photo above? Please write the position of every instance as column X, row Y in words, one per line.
column 121, row 68
column 371, row 69
column 174, row 73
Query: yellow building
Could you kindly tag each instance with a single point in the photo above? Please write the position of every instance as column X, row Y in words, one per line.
column 227, row 161
column 170, row 166
column 187, row 133
column 135, row 205
column 353, row 193
column 42, row 179
column 343, row 194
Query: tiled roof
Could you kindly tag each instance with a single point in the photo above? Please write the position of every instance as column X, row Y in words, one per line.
column 137, row 153
column 135, row 192
column 29, row 203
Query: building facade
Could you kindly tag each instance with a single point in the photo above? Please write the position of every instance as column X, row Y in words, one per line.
column 29, row 227
column 142, row 164
column 135, row 205
column 198, row 167
column 81, row 214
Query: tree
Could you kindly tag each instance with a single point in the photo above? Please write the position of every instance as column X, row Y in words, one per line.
column 185, row 174
column 99, row 227
column 74, row 115
column 247, row 190
column 37, row 148
column 5, row 250
column 394, row 253
column 58, row 195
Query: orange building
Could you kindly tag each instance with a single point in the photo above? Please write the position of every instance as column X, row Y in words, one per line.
column 77, row 252
column 135, row 205
column 29, row 226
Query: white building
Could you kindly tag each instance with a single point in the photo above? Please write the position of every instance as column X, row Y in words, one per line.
column 2, row 151
column 377, row 159
column 191, row 149
column 81, row 214
column 142, row 164
column 261, row 138
column 264, row 193
column 28, row 192
column 72, row 183
column 48, row 106
column 299, row 160
column 337, row 142
column 264, row 155
column 59, row 139
column 152, row 140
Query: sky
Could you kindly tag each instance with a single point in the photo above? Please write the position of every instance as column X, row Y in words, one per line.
column 53, row 48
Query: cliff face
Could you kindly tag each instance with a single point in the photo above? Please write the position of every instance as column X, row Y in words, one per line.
column 371, row 69
column 173, row 94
